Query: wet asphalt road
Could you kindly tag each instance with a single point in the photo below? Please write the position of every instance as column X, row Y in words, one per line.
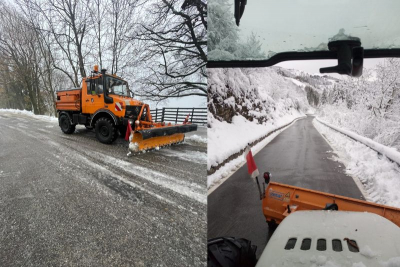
column 298, row 156
column 68, row 200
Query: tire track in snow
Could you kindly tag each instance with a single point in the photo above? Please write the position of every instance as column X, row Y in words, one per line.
column 193, row 156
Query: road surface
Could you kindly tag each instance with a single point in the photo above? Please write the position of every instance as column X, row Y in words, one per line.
column 68, row 200
column 298, row 156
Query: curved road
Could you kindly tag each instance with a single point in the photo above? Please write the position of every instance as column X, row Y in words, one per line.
column 68, row 200
column 298, row 156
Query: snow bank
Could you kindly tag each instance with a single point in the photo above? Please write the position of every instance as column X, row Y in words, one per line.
column 226, row 139
column 389, row 152
column 196, row 138
column 360, row 120
column 31, row 114
column 230, row 167
column 379, row 176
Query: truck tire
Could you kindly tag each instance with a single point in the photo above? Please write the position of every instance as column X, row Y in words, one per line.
column 106, row 131
column 122, row 130
column 65, row 124
column 231, row 252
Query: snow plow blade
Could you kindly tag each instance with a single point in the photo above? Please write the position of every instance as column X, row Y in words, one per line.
column 158, row 137
column 280, row 200
column 168, row 130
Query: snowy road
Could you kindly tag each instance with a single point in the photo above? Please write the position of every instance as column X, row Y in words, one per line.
column 70, row 200
column 298, row 156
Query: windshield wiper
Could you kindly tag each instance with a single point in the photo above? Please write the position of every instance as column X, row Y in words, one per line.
column 239, row 10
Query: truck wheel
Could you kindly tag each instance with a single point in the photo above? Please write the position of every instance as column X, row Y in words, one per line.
column 115, row 135
column 122, row 130
column 231, row 252
column 65, row 124
column 105, row 130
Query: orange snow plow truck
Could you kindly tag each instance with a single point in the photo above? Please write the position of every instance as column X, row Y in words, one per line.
column 104, row 103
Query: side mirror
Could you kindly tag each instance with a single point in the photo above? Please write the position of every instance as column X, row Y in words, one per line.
column 267, row 177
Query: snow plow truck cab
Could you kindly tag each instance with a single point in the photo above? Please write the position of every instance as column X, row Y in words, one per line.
column 104, row 103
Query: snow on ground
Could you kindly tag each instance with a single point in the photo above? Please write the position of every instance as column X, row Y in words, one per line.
column 362, row 121
column 193, row 156
column 389, row 152
column 196, row 138
column 379, row 176
column 29, row 113
column 189, row 189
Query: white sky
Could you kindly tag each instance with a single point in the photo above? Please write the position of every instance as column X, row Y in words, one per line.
column 185, row 102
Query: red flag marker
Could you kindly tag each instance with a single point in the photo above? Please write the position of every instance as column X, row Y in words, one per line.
column 251, row 164
column 252, row 169
column 128, row 131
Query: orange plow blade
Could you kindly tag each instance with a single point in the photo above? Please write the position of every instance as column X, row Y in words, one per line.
column 139, row 144
column 280, row 200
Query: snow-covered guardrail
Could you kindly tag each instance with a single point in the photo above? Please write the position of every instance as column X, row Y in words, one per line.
column 389, row 152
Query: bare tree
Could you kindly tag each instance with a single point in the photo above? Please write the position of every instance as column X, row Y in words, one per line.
column 68, row 21
column 121, row 23
column 175, row 56
column 19, row 48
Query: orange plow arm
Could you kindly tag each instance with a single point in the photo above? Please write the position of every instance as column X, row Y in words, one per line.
column 280, row 200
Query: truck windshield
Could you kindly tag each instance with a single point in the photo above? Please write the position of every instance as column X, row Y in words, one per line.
column 117, row 86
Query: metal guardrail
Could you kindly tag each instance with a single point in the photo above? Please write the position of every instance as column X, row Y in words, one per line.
column 389, row 152
column 178, row 115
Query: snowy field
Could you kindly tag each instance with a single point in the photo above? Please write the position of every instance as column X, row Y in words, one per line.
column 379, row 176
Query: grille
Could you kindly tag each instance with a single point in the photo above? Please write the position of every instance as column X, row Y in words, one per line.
column 322, row 244
column 132, row 111
column 291, row 243
column 337, row 245
column 306, row 244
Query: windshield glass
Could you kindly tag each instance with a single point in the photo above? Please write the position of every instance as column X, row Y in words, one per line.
column 268, row 27
column 117, row 86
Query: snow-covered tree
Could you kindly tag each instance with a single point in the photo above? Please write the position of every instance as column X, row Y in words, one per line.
column 223, row 35
column 222, row 32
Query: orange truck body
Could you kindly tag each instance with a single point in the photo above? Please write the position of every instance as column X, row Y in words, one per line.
column 278, row 197
column 69, row 100
column 96, row 102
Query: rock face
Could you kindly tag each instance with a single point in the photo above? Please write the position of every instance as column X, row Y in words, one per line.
column 258, row 93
